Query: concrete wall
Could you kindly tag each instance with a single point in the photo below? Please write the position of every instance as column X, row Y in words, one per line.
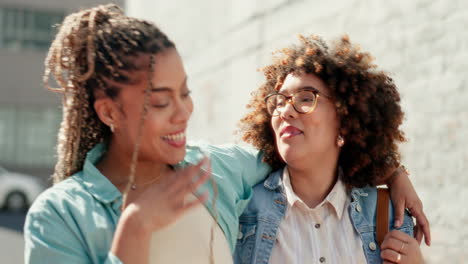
column 421, row 42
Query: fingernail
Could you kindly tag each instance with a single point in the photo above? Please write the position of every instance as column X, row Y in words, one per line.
column 397, row 223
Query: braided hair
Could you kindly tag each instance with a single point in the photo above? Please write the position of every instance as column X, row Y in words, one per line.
column 94, row 50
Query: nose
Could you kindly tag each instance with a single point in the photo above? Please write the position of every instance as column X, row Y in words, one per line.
column 183, row 111
column 288, row 111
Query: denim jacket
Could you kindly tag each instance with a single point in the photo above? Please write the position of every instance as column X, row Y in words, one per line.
column 261, row 219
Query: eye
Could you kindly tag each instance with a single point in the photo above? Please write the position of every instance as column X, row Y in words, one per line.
column 160, row 100
column 187, row 94
column 160, row 105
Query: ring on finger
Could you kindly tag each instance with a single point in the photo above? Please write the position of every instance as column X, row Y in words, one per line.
column 398, row 258
column 402, row 247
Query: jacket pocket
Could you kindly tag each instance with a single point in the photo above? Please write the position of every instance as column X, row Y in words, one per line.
column 245, row 243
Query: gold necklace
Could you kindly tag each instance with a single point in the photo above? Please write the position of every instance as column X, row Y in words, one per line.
column 134, row 185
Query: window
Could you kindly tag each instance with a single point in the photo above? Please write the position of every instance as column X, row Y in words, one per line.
column 28, row 136
column 22, row 28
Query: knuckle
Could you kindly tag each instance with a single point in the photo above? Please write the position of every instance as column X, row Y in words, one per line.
column 386, row 254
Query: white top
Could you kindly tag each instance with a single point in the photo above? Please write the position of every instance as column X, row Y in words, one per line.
column 188, row 240
column 324, row 234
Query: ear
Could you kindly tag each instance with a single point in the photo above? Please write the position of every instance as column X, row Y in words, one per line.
column 107, row 111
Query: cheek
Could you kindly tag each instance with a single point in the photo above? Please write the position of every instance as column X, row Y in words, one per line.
column 275, row 124
column 189, row 105
column 155, row 123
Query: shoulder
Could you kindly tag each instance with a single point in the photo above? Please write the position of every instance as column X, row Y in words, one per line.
column 366, row 199
column 265, row 193
column 57, row 194
column 60, row 203
column 225, row 151
column 238, row 159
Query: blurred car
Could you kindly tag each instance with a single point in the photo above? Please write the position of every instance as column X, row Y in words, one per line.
column 18, row 191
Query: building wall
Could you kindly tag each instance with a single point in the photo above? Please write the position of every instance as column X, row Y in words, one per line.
column 29, row 114
column 421, row 43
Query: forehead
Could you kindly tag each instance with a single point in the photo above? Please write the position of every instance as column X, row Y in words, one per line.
column 168, row 67
column 296, row 81
column 168, row 70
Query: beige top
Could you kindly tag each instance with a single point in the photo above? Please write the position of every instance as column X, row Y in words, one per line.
column 324, row 234
column 188, row 240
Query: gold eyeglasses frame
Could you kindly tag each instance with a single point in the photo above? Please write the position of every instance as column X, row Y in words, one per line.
column 290, row 100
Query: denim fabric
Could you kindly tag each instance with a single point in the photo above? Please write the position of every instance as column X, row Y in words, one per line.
column 259, row 223
column 74, row 221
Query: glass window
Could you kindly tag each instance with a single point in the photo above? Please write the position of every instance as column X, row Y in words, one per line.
column 28, row 136
column 22, row 28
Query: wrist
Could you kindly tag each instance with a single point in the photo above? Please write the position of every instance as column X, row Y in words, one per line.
column 135, row 221
column 132, row 237
column 398, row 172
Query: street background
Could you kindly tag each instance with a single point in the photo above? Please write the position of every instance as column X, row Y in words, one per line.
column 422, row 43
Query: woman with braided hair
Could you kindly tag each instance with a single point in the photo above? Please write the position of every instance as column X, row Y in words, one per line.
column 126, row 185
column 126, row 106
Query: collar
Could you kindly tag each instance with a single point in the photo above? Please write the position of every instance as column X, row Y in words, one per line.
column 274, row 181
column 102, row 189
column 94, row 181
column 337, row 198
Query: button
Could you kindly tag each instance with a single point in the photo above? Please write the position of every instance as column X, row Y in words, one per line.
column 240, row 235
column 322, row 260
column 358, row 208
column 317, row 226
column 372, row 246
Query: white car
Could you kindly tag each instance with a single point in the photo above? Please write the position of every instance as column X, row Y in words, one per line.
column 18, row 191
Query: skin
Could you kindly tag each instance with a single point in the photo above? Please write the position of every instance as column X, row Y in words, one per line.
column 298, row 149
column 169, row 112
column 397, row 242
column 307, row 143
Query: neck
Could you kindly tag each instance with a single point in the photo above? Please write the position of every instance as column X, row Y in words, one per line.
column 115, row 165
column 313, row 181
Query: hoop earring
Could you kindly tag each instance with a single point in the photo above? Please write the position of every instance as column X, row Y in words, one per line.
column 340, row 141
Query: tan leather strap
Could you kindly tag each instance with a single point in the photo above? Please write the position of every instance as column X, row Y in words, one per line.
column 383, row 197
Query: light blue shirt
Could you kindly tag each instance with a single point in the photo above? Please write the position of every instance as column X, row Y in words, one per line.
column 74, row 221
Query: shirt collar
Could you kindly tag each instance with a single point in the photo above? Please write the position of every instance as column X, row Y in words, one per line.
column 102, row 189
column 94, row 181
column 274, row 181
column 337, row 198
column 288, row 190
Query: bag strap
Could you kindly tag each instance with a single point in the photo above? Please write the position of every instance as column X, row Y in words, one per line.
column 383, row 198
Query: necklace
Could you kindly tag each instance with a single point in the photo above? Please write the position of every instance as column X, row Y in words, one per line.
column 134, row 185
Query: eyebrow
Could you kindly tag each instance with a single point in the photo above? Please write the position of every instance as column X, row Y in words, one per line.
column 160, row 89
column 304, row 88
column 165, row 88
column 308, row 88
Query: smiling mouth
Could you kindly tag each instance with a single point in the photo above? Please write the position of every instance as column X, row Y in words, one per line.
column 289, row 132
column 176, row 139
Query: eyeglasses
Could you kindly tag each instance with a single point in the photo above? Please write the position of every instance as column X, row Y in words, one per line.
column 304, row 101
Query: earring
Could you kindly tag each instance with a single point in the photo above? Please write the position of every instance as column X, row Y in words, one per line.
column 111, row 127
column 340, row 141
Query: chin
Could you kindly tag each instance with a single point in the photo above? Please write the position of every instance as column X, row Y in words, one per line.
column 176, row 157
column 290, row 155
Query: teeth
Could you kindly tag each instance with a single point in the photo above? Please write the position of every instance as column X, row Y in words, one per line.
column 175, row 137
